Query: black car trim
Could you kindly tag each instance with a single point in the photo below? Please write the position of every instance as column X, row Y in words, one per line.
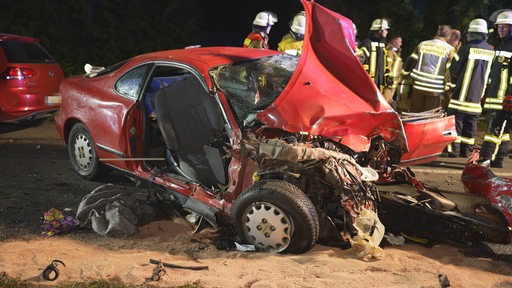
column 110, row 150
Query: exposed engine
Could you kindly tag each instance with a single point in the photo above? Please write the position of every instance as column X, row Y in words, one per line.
column 327, row 172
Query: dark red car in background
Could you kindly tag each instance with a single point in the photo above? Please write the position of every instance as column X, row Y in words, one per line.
column 29, row 80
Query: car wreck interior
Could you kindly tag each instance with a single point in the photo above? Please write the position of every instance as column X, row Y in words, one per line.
column 186, row 127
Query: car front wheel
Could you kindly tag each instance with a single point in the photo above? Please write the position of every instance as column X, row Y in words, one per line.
column 82, row 153
column 277, row 216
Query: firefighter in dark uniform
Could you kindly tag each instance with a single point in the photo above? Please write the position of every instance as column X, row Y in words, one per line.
column 374, row 52
column 470, row 72
column 497, row 137
column 261, row 26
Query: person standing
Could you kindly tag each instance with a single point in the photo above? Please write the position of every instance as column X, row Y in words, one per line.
column 498, row 96
column 427, row 67
column 454, row 39
column 374, row 51
column 292, row 42
column 470, row 72
column 394, row 67
column 261, row 26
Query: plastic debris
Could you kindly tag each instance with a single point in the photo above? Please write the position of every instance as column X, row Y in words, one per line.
column 395, row 240
column 56, row 221
column 245, row 247
column 370, row 232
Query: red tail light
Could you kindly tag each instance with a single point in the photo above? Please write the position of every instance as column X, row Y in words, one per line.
column 18, row 73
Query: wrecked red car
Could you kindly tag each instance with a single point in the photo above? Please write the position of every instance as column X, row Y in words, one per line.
column 285, row 149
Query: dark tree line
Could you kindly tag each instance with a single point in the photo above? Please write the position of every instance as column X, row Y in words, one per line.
column 103, row 32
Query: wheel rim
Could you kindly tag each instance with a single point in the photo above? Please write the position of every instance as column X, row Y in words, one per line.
column 83, row 152
column 268, row 227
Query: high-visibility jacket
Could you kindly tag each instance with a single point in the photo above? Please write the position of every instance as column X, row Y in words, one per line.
column 429, row 65
column 256, row 40
column 394, row 67
column 471, row 70
column 499, row 78
column 375, row 59
column 290, row 46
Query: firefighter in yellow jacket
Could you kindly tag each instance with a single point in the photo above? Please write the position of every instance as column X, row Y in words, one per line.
column 428, row 67
column 394, row 68
column 292, row 42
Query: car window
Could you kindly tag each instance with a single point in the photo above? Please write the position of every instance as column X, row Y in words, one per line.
column 253, row 85
column 18, row 51
column 130, row 84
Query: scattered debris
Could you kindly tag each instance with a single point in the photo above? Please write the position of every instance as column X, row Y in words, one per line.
column 51, row 273
column 56, row 221
column 370, row 232
column 158, row 272
column 395, row 240
column 245, row 247
column 112, row 210
column 443, row 280
column 169, row 265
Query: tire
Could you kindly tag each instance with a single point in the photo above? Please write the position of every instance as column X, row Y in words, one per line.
column 82, row 153
column 276, row 215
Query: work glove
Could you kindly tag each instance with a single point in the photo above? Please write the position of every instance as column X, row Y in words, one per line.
column 507, row 104
column 389, row 80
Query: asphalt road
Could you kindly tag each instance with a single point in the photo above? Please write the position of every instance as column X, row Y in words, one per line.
column 36, row 176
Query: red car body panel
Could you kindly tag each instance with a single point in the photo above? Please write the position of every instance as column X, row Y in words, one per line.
column 427, row 138
column 480, row 180
column 344, row 103
column 29, row 98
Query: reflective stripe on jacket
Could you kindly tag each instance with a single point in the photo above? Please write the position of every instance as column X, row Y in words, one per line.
column 394, row 66
column 375, row 60
column 428, row 65
column 256, row 40
column 471, row 71
column 499, row 77
column 290, row 46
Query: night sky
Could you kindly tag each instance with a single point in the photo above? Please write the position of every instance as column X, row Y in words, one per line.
column 230, row 25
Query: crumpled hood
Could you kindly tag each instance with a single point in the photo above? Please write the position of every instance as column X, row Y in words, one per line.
column 330, row 94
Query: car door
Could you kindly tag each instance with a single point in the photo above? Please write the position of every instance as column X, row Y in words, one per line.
column 129, row 137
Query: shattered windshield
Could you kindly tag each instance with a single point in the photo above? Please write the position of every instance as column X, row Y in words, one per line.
column 252, row 86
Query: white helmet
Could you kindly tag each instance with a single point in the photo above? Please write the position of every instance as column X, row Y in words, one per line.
column 379, row 24
column 265, row 18
column 478, row 25
column 504, row 18
column 298, row 24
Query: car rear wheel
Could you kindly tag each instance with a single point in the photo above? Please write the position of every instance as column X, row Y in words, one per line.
column 276, row 215
column 82, row 153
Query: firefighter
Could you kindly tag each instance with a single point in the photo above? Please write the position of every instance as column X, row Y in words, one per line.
column 497, row 136
column 470, row 71
column 428, row 67
column 261, row 26
column 374, row 51
column 292, row 42
column 394, row 67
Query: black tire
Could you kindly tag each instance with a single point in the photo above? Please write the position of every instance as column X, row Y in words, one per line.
column 82, row 153
column 276, row 215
